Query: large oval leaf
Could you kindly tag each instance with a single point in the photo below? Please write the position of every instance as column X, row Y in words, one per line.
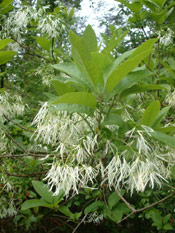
column 79, row 98
column 34, row 203
column 6, row 56
column 127, row 66
column 43, row 191
column 5, row 42
column 165, row 138
column 151, row 113
column 94, row 206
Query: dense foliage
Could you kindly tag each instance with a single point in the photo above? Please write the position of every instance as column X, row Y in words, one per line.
column 87, row 124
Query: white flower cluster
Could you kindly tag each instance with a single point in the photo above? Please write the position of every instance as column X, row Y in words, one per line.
column 50, row 26
column 73, row 137
column 135, row 175
column 46, row 73
column 142, row 144
column 4, row 142
column 11, row 106
column 167, row 37
column 14, row 46
column 7, row 212
column 70, row 133
column 69, row 178
column 95, row 217
column 170, row 98
column 17, row 22
column 7, row 207
column 7, row 186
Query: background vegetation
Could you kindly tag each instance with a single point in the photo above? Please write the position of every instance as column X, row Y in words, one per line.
column 87, row 124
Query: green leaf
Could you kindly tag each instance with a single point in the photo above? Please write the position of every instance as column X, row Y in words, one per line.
column 58, row 198
column 6, row 56
column 166, row 218
column 160, row 116
column 74, row 108
column 5, row 10
column 142, row 88
column 155, row 214
column 102, row 61
column 150, row 5
column 111, row 68
column 167, row 226
column 117, row 214
column 151, row 113
column 76, row 216
column 44, row 42
column 90, row 39
column 5, row 42
column 159, row 17
column 169, row 129
column 135, row 6
column 5, row 3
column 65, row 210
column 114, row 199
column 113, row 119
column 118, row 211
column 94, row 206
column 113, row 43
column 159, row 3
column 62, row 88
column 165, row 138
column 34, row 203
column 80, row 98
column 127, row 66
column 72, row 70
column 173, row 172
column 130, row 80
column 81, row 53
column 43, row 191
column 147, row 45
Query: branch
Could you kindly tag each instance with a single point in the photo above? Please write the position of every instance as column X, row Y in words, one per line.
column 135, row 211
column 40, row 154
column 25, row 175
column 144, row 32
column 125, row 201
column 112, row 104
column 155, row 203
column 15, row 142
column 23, row 155
column 22, row 127
column 52, row 50
column 87, row 122
column 29, row 51
column 37, row 55
column 79, row 223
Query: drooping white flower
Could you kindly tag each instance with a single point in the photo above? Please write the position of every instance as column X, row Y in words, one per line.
column 50, row 26
column 7, row 211
column 11, row 105
column 140, row 136
column 142, row 143
column 17, row 21
column 134, row 175
column 70, row 178
column 69, row 133
column 170, row 98
column 167, row 37
column 95, row 217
